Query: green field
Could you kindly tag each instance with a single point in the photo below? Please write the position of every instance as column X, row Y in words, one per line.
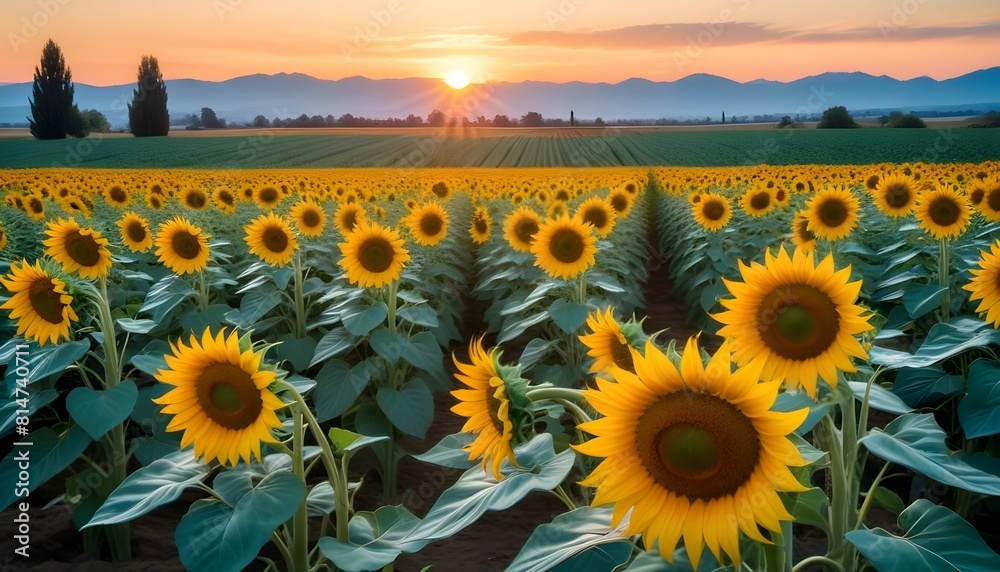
column 715, row 148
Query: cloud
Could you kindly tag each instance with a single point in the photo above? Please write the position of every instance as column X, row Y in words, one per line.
column 671, row 36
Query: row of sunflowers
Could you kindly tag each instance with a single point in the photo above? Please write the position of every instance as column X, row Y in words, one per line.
column 248, row 334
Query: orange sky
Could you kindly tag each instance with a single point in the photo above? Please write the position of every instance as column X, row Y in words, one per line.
column 545, row 40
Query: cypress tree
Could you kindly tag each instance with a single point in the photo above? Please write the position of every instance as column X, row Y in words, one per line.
column 147, row 114
column 53, row 114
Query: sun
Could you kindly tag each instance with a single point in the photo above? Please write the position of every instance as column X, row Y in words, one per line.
column 457, row 79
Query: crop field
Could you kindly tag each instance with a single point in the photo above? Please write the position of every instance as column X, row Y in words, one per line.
column 277, row 343
column 536, row 148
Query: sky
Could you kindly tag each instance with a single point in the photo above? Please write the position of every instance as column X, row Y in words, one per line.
column 516, row 40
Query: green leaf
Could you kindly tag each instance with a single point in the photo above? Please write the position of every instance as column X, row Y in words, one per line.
column 424, row 353
column 919, row 299
column 298, row 351
column 888, row 500
column 920, row 386
column 809, row 507
column 98, row 411
column 215, row 536
column 568, row 316
column 533, row 351
column 321, row 499
column 48, row 454
column 450, row 452
column 568, row 535
column 213, row 317
column 360, row 320
column 410, row 409
column 338, row 387
column 934, row 538
column 943, row 341
column 916, row 442
column 43, row 362
column 979, row 410
column 607, row 556
column 374, row 539
column 143, row 326
column 514, row 329
column 11, row 410
column 165, row 295
column 150, row 359
column 879, row 398
column 159, row 483
column 420, row 315
column 349, row 441
column 334, row 343
column 389, row 346
column 253, row 307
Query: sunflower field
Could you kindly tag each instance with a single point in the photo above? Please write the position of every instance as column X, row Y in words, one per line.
column 269, row 345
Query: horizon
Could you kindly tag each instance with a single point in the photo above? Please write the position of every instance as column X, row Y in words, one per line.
column 559, row 42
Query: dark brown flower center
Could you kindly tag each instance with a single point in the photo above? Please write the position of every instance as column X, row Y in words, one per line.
column 117, row 195
column 376, row 254
column 136, row 231
column 944, row 211
column 760, row 201
column 802, row 227
column 82, row 248
column 619, row 203
column 596, row 216
column 45, row 301
column 713, row 210
column 832, row 213
column 697, row 445
column 482, row 227
column 268, row 195
column 349, row 219
column 431, row 224
column 275, row 240
column 195, row 200
column 228, row 396
column 992, row 198
column 225, row 197
column 525, row 229
column 310, row 218
column 797, row 321
column 897, row 195
column 566, row 246
column 872, row 182
column 186, row 245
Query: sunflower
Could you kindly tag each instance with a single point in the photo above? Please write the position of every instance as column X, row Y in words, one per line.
column 267, row 197
column 564, row 247
column 599, row 214
column 795, row 319
column 310, row 218
column 135, row 232
column 832, row 213
column 608, row 345
column 781, row 196
column 942, row 212
column 520, row 227
column 486, row 403
column 194, row 199
column 985, row 284
column 621, row 201
column 3, row 237
column 802, row 237
column 271, row 238
column 712, row 212
column 757, row 202
column 154, row 201
column 348, row 216
column 989, row 203
column 480, row 228
column 440, row 190
column 181, row 246
column 80, row 250
column 895, row 195
column 39, row 302
column 428, row 224
column 220, row 397
column 116, row 196
column 35, row 207
column 693, row 451
column 224, row 200
column 373, row 255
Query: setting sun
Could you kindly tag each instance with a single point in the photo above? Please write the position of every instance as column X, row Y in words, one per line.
column 457, row 79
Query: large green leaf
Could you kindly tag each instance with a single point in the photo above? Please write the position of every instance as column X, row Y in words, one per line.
column 98, row 411
column 253, row 307
column 567, row 535
column 919, row 299
column 809, row 507
column 297, row 351
column 934, row 538
column 220, row 537
column 410, row 409
column 374, row 539
column 570, row 317
column 389, row 346
column 338, row 386
column 43, row 362
column 979, row 410
column 420, row 315
column 916, row 442
column 165, row 295
column 334, row 343
column 943, row 341
column 159, row 483
column 879, row 397
column 450, row 452
column 424, row 353
column 360, row 320
column 48, row 454
column 919, row 386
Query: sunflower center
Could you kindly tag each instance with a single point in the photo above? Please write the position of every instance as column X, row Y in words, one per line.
column 804, row 232
column 350, row 220
column 943, row 211
column 697, row 445
column 872, row 182
column 566, row 246
column 481, row 226
column 597, row 216
column 186, row 245
column 622, row 355
column 36, row 205
column 713, row 210
column 196, row 200
column 225, row 197
column 376, row 255
column 780, row 195
column 228, row 396
column 269, row 195
column 45, row 301
column 275, row 240
column 992, row 199
column 310, row 218
column 431, row 224
column 136, row 232
column 760, row 201
column 117, row 195
column 83, row 249
column 833, row 213
column 525, row 229
column 797, row 322
column 619, row 203
column 897, row 195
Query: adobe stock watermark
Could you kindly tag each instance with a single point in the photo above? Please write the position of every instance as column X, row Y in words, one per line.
column 32, row 25
column 697, row 44
column 562, row 12
column 901, row 14
column 224, row 7
column 22, row 455
column 372, row 30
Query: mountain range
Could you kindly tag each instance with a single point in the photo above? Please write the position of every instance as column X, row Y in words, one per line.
column 696, row 96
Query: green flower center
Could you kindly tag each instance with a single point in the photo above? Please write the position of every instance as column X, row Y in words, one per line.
column 228, row 396
column 798, row 322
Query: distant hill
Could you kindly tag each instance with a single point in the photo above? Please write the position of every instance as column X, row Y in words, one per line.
column 695, row 96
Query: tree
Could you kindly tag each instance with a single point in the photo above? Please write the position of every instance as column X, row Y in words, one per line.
column 94, row 121
column 193, row 122
column 209, row 120
column 533, row 119
column 53, row 114
column 436, row 119
column 909, row 121
column 836, row 118
column 501, row 121
column 261, row 122
column 147, row 114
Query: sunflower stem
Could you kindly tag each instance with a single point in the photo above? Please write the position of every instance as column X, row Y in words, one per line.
column 390, row 302
column 300, row 522
column 943, row 279
column 556, row 393
column 818, row 560
column 202, row 291
column 870, row 496
column 300, row 305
